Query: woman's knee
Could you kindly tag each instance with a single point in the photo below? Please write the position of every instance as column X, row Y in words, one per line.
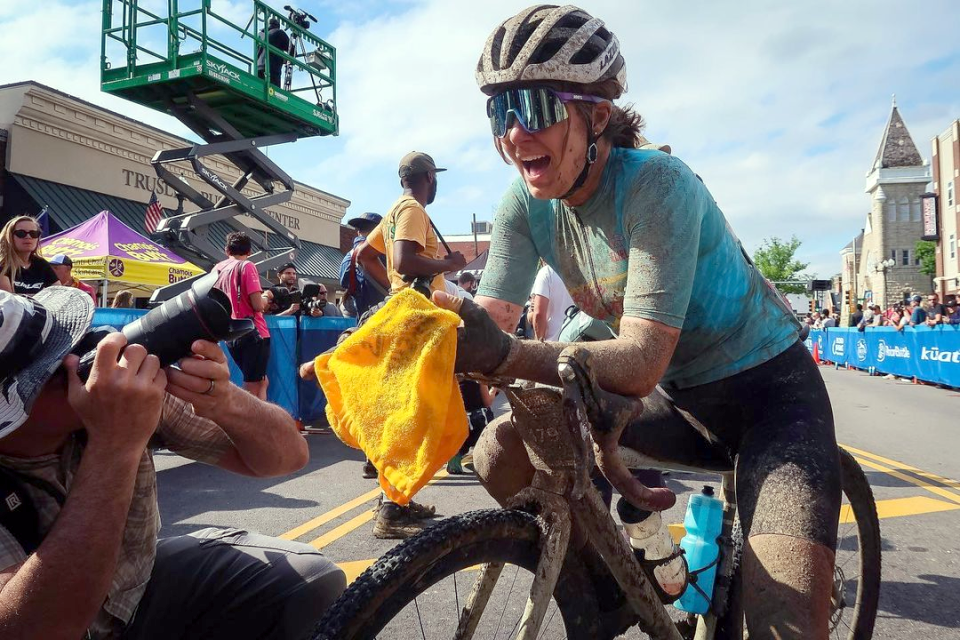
column 501, row 461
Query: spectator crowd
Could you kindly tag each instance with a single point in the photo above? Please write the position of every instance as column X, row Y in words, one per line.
column 915, row 312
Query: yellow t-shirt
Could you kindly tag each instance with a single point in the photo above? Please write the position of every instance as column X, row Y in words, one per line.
column 407, row 220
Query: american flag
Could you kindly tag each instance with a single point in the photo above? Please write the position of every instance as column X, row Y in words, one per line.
column 154, row 213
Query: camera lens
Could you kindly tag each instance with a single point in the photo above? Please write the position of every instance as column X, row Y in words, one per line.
column 168, row 332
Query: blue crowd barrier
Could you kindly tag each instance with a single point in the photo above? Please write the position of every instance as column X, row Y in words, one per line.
column 316, row 336
column 931, row 354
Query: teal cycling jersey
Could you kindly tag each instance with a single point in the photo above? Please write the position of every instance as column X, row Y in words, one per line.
column 650, row 243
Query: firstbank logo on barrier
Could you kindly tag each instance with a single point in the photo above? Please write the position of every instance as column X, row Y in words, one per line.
column 936, row 355
column 837, row 347
column 884, row 352
column 861, row 349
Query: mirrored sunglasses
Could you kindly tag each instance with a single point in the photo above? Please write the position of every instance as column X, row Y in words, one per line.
column 534, row 108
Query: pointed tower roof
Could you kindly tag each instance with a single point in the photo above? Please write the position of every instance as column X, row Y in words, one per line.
column 896, row 147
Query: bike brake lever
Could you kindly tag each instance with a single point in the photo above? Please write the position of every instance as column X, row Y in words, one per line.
column 606, row 415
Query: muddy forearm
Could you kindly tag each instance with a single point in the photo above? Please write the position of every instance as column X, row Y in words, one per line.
column 616, row 363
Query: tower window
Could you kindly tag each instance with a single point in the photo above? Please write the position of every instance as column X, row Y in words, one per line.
column 906, row 258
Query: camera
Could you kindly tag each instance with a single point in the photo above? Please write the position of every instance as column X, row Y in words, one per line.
column 299, row 17
column 310, row 298
column 202, row 312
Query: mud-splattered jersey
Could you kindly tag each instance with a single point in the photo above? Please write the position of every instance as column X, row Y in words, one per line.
column 650, row 243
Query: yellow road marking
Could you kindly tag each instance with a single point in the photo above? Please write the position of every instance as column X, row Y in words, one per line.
column 355, row 568
column 940, row 491
column 899, row 465
column 342, row 530
column 349, row 525
column 899, row 507
column 324, row 518
column 893, row 508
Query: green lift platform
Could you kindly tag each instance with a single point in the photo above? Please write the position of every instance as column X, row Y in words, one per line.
column 201, row 68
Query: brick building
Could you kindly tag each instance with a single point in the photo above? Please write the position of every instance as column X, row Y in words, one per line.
column 946, row 181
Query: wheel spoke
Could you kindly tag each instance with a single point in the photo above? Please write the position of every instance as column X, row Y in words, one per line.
column 505, row 602
column 419, row 619
column 544, row 628
column 456, row 595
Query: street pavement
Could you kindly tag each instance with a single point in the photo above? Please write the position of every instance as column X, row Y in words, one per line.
column 906, row 436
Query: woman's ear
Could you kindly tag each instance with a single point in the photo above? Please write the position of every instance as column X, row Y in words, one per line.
column 601, row 117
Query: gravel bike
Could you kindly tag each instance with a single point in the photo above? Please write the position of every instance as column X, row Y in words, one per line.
column 559, row 543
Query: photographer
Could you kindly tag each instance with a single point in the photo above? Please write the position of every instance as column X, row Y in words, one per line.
column 316, row 304
column 284, row 299
column 78, row 459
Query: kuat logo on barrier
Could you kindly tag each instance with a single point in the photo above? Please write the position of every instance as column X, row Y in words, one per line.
column 933, row 353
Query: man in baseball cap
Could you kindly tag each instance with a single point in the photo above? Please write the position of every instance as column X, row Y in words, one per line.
column 63, row 267
column 417, row 162
column 365, row 222
column 79, row 552
column 407, row 238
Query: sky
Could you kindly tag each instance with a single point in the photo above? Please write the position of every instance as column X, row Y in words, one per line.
column 779, row 107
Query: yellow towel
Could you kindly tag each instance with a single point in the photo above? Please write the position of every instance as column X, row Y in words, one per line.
column 391, row 392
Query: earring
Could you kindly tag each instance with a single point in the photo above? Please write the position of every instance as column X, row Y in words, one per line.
column 592, row 153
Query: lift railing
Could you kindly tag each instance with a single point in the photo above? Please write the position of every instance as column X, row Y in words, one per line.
column 147, row 42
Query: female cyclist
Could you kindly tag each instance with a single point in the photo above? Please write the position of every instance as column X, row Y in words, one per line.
column 22, row 269
column 641, row 244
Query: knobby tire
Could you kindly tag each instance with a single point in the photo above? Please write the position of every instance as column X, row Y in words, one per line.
column 454, row 544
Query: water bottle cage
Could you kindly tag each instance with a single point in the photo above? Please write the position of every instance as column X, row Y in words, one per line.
column 692, row 577
column 649, row 565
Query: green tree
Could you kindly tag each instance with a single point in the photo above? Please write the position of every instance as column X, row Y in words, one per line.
column 775, row 260
column 926, row 252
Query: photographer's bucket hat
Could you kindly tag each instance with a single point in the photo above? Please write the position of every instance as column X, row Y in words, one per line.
column 35, row 335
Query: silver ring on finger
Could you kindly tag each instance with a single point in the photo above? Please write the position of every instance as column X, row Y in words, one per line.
column 213, row 384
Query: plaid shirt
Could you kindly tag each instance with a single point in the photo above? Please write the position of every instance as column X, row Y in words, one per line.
column 181, row 431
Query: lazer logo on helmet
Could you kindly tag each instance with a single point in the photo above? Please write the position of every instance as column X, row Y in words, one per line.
column 934, row 354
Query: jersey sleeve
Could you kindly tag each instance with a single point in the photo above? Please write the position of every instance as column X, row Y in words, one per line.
column 512, row 262
column 663, row 223
column 412, row 224
column 250, row 279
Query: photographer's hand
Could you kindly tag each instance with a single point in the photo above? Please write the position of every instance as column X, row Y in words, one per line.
column 203, row 380
column 121, row 401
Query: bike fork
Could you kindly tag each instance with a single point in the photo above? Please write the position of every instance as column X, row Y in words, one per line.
column 555, row 534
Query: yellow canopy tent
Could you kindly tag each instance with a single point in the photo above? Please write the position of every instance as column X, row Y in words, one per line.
column 106, row 250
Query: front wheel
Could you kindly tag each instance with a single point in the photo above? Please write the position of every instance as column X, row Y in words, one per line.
column 420, row 587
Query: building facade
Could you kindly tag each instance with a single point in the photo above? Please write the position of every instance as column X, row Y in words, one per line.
column 888, row 268
column 77, row 159
column 946, row 186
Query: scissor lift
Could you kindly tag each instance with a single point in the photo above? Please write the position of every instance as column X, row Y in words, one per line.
column 173, row 64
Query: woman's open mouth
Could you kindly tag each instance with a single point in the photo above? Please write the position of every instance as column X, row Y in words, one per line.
column 535, row 166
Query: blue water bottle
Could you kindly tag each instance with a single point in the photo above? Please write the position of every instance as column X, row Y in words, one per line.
column 704, row 522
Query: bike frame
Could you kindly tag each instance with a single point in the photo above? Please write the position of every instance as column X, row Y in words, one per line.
column 560, row 442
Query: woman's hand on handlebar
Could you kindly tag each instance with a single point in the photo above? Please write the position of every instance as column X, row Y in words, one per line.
column 481, row 345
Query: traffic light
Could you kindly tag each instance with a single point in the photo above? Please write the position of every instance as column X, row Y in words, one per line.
column 813, row 306
column 850, row 300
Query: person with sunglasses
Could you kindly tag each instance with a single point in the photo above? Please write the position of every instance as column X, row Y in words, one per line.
column 22, row 268
column 641, row 244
